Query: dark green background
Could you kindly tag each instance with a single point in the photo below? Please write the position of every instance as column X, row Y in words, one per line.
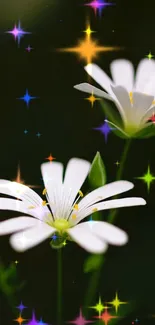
column 65, row 121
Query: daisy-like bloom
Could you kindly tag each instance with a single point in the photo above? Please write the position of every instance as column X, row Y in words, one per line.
column 133, row 96
column 64, row 210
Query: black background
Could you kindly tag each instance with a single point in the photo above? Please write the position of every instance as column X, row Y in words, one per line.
column 66, row 122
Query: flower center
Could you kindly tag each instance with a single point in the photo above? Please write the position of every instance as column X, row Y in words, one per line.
column 61, row 224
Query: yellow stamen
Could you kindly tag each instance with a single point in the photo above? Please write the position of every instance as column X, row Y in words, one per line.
column 44, row 203
column 94, row 210
column 74, row 216
column 44, row 191
column 31, row 207
column 76, row 207
column 131, row 97
column 80, row 193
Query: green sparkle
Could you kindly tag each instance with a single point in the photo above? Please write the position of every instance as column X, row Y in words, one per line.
column 149, row 56
column 116, row 302
column 147, row 178
column 99, row 306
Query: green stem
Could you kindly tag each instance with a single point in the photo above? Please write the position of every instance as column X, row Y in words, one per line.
column 59, row 293
column 113, row 214
column 92, row 288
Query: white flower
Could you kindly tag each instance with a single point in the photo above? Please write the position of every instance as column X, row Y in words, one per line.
column 64, row 212
column 134, row 97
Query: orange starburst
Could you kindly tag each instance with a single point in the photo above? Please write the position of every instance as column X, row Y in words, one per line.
column 18, row 179
column 20, row 320
column 50, row 157
column 87, row 48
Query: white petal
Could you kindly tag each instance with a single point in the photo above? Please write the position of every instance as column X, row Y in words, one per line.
column 124, row 100
column 31, row 237
column 123, row 73
column 86, row 239
column 100, row 77
column 141, row 103
column 75, row 175
column 149, row 88
column 16, row 224
column 104, row 192
column 20, row 191
column 87, row 88
column 145, row 70
column 148, row 114
column 52, row 173
column 106, row 205
column 109, row 233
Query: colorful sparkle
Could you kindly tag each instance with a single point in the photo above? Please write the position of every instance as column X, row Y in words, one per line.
column 25, row 131
column 147, row 178
column 149, row 56
column 152, row 118
column 88, row 31
column 27, row 98
column 16, row 262
column 116, row 302
column 98, row 5
column 50, row 158
column 92, row 99
column 38, row 135
column 105, row 129
column 80, row 320
column 99, row 306
column 41, row 322
column 17, row 32
column 20, row 320
column 21, row 307
column 88, row 49
column 29, row 48
column 106, row 317
column 33, row 321
column 117, row 163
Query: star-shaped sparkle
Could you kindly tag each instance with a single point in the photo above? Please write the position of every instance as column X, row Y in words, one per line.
column 41, row 322
column 33, row 320
column 17, row 32
column 106, row 317
column 116, row 302
column 20, row 320
column 149, row 56
column 99, row 306
column 27, row 98
column 92, row 99
column 147, row 178
column 105, row 129
column 98, row 5
column 50, row 157
column 21, row 307
column 88, row 49
column 80, row 320
column 29, row 48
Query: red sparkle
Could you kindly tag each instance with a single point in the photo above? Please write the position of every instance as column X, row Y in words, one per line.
column 152, row 118
column 50, row 158
column 106, row 317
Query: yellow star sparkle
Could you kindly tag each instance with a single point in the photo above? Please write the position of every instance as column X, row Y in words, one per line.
column 88, row 49
column 88, row 31
column 16, row 262
column 92, row 99
column 149, row 56
column 99, row 306
column 116, row 302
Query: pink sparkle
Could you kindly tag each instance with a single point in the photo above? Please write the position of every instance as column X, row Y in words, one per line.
column 80, row 320
column 95, row 4
column 17, row 32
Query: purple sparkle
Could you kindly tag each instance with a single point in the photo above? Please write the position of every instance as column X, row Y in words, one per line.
column 33, row 321
column 29, row 48
column 21, row 307
column 98, row 5
column 17, row 32
column 105, row 129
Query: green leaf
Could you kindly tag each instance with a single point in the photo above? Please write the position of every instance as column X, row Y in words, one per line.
column 146, row 132
column 93, row 262
column 111, row 112
column 97, row 174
